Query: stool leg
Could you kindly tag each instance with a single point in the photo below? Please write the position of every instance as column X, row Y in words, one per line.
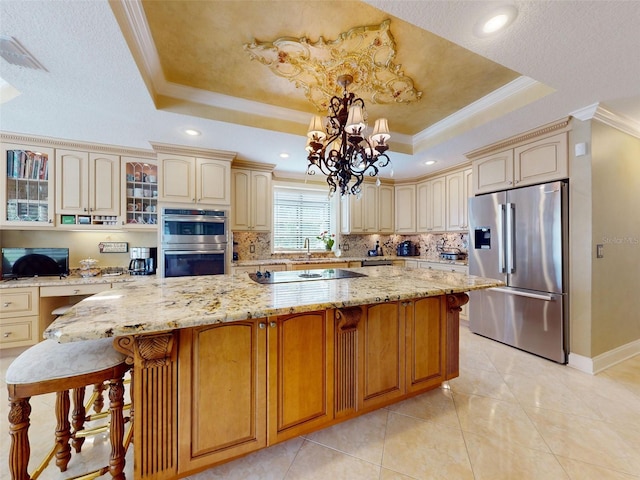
column 98, row 403
column 63, row 430
column 116, row 402
column 19, row 452
column 78, row 416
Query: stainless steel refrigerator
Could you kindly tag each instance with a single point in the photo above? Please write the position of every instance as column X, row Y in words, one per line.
column 520, row 236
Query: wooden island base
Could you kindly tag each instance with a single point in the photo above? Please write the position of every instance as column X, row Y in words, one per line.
column 206, row 395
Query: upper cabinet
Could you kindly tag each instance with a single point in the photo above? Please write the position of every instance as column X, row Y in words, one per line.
column 27, row 194
column 140, row 195
column 520, row 161
column 371, row 212
column 194, row 176
column 405, row 196
column 87, row 187
column 251, row 199
column 458, row 193
column 431, row 205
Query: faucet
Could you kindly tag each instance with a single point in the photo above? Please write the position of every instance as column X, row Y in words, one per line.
column 306, row 245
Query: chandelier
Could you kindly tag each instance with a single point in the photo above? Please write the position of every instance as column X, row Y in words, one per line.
column 340, row 149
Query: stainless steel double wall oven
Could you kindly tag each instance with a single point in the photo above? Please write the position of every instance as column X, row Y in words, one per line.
column 193, row 242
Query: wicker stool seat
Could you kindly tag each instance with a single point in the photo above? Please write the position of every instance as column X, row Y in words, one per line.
column 51, row 367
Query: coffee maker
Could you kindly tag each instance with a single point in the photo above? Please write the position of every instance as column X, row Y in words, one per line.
column 143, row 260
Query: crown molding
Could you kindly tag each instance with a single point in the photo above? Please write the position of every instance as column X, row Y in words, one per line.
column 193, row 151
column 75, row 145
column 608, row 117
column 266, row 167
column 511, row 142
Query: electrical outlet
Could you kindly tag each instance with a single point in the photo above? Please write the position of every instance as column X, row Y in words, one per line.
column 599, row 251
column 252, row 248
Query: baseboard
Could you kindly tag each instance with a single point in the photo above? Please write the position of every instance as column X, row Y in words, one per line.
column 605, row 360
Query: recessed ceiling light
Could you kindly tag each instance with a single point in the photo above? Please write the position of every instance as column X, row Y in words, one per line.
column 192, row 132
column 496, row 21
column 284, row 155
column 430, row 162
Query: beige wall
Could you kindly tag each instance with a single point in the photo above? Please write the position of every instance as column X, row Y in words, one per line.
column 616, row 225
column 581, row 250
column 80, row 244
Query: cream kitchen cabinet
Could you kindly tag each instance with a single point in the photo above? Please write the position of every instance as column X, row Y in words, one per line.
column 540, row 161
column 26, row 196
column 252, row 199
column 140, row 209
column 19, row 317
column 373, row 212
column 87, row 187
column 431, row 207
column 405, row 196
column 457, row 195
column 194, row 180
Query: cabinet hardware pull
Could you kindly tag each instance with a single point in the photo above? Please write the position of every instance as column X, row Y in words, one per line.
column 272, row 324
column 6, row 304
column 262, row 325
column 76, row 291
column 7, row 334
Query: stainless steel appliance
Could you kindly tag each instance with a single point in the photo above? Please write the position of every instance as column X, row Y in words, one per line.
column 193, row 242
column 143, row 260
column 520, row 236
column 407, row 249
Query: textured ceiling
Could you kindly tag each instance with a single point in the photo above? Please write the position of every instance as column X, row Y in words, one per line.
column 200, row 45
column 98, row 88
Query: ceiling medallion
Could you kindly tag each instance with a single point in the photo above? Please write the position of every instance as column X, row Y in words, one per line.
column 365, row 53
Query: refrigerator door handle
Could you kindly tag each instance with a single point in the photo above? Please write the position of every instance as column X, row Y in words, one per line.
column 502, row 242
column 511, row 235
column 538, row 296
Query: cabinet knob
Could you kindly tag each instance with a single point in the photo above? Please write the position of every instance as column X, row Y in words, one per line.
column 7, row 334
column 6, row 304
column 84, row 209
column 50, row 220
column 262, row 325
column 76, row 291
column 272, row 324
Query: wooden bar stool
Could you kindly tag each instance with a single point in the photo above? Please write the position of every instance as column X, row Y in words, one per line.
column 50, row 367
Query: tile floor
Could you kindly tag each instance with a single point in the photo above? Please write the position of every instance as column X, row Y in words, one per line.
column 509, row 415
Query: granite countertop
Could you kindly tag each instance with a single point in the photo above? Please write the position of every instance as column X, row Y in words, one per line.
column 312, row 260
column 74, row 279
column 162, row 304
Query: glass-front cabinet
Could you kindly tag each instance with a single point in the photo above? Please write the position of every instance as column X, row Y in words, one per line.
column 26, row 198
column 140, row 199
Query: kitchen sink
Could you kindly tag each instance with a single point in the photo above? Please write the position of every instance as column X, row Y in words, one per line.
column 304, row 276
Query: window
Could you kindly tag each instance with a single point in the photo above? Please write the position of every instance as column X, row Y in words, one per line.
column 300, row 213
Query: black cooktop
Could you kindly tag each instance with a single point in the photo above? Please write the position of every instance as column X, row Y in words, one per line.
column 303, row 275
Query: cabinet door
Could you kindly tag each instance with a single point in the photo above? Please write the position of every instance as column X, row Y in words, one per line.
column 300, row 362
column 468, row 192
column 213, row 182
column 261, row 201
column 222, row 385
column 177, row 178
column 423, row 207
column 352, row 213
column 405, row 208
column 104, row 184
column 456, row 199
column 240, row 205
column 438, row 204
column 425, row 345
column 493, row 172
column 386, row 209
column 27, row 193
column 72, row 182
column 381, row 354
column 370, row 211
column 541, row 161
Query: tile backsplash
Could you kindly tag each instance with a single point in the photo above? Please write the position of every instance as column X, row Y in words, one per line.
column 257, row 246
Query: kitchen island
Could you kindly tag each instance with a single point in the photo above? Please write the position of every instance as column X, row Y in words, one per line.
column 224, row 366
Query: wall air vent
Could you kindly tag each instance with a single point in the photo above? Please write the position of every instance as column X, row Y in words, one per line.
column 13, row 52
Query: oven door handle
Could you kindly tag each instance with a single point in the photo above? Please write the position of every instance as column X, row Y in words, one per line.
column 195, row 219
column 193, row 252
